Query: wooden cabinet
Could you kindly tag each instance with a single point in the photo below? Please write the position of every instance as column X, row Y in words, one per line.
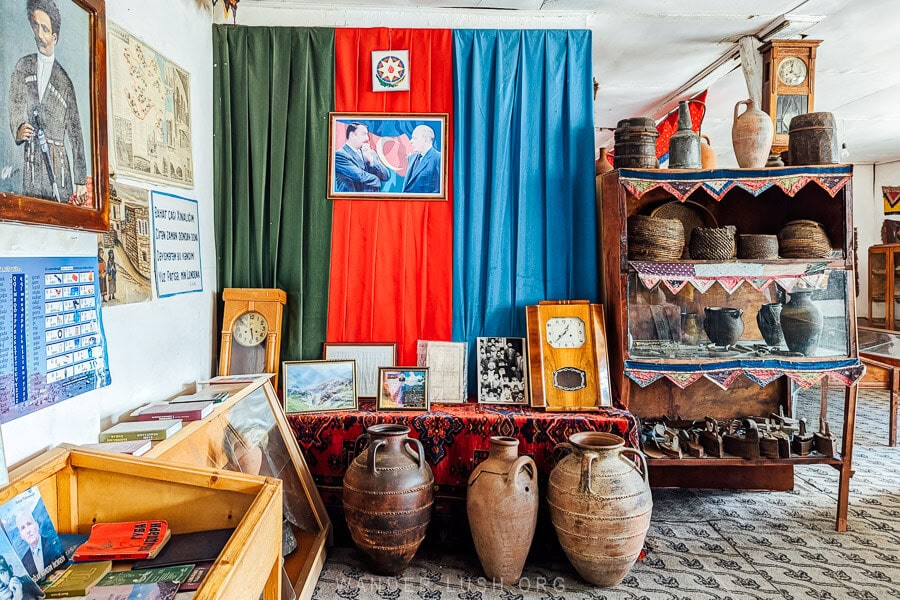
column 248, row 432
column 662, row 358
column 82, row 487
column 884, row 283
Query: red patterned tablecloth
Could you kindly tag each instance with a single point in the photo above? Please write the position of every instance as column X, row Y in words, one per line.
column 455, row 437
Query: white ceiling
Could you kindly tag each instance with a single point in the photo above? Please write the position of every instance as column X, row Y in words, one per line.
column 647, row 50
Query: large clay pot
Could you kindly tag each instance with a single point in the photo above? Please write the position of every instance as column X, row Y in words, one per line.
column 600, row 505
column 751, row 136
column 769, row 320
column 388, row 496
column 502, row 504
column 723, row 325
column 684, row 146
column 801, row 323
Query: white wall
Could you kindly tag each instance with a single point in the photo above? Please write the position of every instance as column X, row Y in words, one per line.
column 155, row 348
column 867, row 217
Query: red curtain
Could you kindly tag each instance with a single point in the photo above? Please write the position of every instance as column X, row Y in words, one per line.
column 391, row 260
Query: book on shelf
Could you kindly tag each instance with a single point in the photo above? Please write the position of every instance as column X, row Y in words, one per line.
column 245, row 378
column 186, row 411
column 194, row 547
column 77, row 579
column 31, row 533
column 196, row 577
column 141, row 430
column 174, row 574
column 205, row 395
column 132, row 447
column 130, row 540
column 19, row 577
column 166, row 590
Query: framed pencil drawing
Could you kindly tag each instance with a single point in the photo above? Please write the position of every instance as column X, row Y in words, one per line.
column 387, row 156
column 369, row 358
column 53, row 149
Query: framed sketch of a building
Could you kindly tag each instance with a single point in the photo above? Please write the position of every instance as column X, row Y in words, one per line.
column 151, row 112
column 53, row 147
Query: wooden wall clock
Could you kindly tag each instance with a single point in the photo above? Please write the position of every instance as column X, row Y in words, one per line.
column 789, row 83
column 567, row 355
column 251, row 331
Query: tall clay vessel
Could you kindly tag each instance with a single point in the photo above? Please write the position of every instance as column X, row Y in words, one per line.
column 751, row 136
column 600, row 505
column 502, row 504
column 388, row 496
column 801, row 323
column 684, row 147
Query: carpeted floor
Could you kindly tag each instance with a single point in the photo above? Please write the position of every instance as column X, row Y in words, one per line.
column 709, row 545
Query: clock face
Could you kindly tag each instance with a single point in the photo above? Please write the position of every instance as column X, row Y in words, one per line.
column 250, row 329
column 792, row 71
column 565, row 332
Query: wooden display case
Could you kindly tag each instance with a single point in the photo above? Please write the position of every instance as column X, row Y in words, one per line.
column 248, row 432
column 662, row 361
column 884, row 284
column 81, row 487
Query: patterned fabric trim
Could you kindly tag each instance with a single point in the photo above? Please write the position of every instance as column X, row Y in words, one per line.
column 731, row 275
column 719, row 182
column 764, row 372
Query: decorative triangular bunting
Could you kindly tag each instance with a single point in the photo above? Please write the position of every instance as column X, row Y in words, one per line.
column 723, row 379
column 703, row 285
column 730, row 284
column 805, row 379
column 643, row 378
column 760, row 284
column 675, row 285
column 649, row 281
column 763, row 377
column 683, row 380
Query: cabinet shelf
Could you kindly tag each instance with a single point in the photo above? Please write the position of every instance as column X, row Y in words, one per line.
column 735, row 461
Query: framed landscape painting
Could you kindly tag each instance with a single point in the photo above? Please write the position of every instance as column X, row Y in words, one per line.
column 53, row 148
column 319, row 386
column 387, row 156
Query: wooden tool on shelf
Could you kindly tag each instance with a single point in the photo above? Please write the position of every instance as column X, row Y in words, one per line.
column 690, row 443
column 823, row 442
column 803, row 442
column 745, row 445
column 711, row 440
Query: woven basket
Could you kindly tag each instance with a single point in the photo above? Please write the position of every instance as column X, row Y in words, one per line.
column 803, row 239
column 713, row 243
column 654, row 239
column 757, row 246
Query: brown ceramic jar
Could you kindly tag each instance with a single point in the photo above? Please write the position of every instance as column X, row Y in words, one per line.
column 388, row 496
column 600, row 505
column 502, row 505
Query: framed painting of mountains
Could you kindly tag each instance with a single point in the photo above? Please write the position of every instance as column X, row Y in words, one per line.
column 319, row 386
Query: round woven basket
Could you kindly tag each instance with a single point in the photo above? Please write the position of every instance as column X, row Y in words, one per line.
column 757, row 246
column 803, row 239
column 713, row 243
column 654, row 239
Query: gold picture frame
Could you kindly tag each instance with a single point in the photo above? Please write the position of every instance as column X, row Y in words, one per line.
column 315, row 386
column 403, row 389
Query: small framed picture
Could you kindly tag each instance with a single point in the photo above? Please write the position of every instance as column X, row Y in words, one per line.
column 502, row 370
column 369, row 358
column 403, row 388
column 447, row 374
column 319, row 386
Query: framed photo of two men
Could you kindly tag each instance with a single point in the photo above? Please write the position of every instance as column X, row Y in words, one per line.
column 53, row 149
column 387, row 156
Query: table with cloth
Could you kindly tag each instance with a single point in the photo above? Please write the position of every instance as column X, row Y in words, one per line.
column 455, row 438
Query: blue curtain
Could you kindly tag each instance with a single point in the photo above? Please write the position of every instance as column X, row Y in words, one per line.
column 525, row 223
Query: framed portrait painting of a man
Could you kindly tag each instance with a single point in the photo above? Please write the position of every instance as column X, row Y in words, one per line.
column 387, row 156
column 53, row 154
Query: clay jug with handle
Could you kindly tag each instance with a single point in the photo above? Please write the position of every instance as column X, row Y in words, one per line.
column 751, row 136
column 502, row 505
column 707, row 154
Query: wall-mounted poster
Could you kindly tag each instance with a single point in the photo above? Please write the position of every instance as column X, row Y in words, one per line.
column 125, row 252
column 387, row 156
column 151, row 112
column 176, row 241
column 891, row 195
column 53, row 163
column 53, row 346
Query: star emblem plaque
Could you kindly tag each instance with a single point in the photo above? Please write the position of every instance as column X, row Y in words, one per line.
column 390, row 70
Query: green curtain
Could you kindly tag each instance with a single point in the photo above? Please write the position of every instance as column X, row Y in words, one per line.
column 273, row 89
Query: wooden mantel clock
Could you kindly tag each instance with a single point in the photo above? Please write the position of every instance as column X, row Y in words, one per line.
column 567, row 355
column 251, row 331
column 789, row 83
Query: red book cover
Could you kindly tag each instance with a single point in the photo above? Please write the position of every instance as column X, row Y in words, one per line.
column 131, row 540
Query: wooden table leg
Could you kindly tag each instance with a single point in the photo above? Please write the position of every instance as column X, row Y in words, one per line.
column 892, row 419
column 846, row 458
